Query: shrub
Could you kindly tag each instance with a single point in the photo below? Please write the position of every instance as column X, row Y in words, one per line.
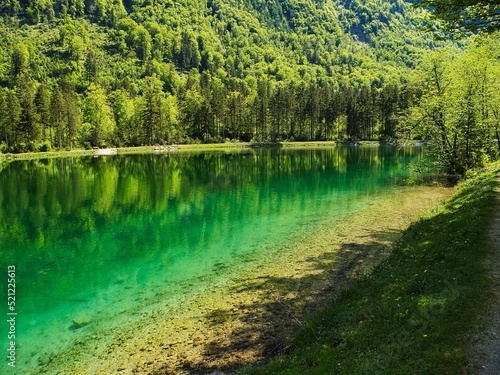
column 45, row 147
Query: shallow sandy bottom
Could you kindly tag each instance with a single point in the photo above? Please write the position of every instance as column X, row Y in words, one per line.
column 246, row 316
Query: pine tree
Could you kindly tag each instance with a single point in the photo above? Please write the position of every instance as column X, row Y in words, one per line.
column 57, row 118
column 29, row 128
column 153, row 120
column 42, row 106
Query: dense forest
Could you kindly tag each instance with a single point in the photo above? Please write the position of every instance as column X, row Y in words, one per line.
column 86, row 73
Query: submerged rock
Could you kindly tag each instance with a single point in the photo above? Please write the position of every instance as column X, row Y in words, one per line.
column 81, row 321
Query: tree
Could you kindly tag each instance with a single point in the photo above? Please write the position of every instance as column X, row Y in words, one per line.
column 142, row 42
column 122, row 107
column 312, row 108
column 352, row 114
column 189, row 55
column 153, row 114
column 19, row 59
column 92, row 67
column 117, row 12
column 72, row 117
column 261, row 108
column 42, row 104
column 279, row 111
column 97, row 113
column 76, row 48
column 191, row 114
column 65, row 115
column 235, row 107
column 11, row 115
column 28, row 125
column 215, row 107
column 457, row 109
column 332, row 110
column 57, row 105
column 465, row 15
column 389, row 97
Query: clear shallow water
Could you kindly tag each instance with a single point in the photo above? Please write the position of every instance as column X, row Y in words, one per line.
column 104, row 239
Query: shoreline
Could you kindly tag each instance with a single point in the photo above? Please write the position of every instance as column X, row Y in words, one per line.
column 180, row 148
column 246, row 318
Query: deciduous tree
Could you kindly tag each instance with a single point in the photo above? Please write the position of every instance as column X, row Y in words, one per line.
column 465, row 15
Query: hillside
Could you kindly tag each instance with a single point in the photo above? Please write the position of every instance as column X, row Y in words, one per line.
column 93, row 73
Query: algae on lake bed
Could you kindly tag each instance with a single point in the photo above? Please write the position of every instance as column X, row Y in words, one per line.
column 246, row 318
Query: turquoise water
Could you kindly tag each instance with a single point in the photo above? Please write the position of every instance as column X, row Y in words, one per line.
column 101, row 240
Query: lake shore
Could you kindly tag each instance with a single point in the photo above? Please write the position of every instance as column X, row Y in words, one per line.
column 430, row 308
column 176, row 148
column 246, row 317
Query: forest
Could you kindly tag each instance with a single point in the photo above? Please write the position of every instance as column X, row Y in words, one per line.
column 98, row 73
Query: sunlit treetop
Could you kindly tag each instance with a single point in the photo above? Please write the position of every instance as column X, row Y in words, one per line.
column 465, row 15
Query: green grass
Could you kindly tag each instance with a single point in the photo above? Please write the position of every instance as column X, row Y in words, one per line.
column 201, row 147
column 413, row 314
column 67, row 153
column 149, row 149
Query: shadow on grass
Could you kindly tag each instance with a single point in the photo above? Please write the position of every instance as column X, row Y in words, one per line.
column 259, row 328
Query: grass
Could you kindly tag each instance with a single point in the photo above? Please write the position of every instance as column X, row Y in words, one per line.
column 176, row 148
column 412, row 315
column 69, row 153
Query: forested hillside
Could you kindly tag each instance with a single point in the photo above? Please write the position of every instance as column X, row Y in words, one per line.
column 82, row 73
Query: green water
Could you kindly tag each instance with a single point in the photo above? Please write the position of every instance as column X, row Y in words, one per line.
column 107, row 238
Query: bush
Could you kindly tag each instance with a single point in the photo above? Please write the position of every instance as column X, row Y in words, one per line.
column 45, row 147
column 19, row 148
column 30, row 147
column 207, row 138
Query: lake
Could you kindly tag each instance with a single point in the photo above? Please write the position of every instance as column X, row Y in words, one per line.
column 98, row 243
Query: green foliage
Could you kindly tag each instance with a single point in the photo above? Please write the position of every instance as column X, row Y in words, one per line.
column 20, row 59
column 278, row 70
column 465, row 15
column 458, row 110
column 99, row 117
column 45, row 147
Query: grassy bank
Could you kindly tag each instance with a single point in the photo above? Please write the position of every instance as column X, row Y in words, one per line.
column 413, row 314
column 172, row 148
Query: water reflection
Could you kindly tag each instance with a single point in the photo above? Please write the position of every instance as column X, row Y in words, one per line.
column 96, row 233
column 79, row 214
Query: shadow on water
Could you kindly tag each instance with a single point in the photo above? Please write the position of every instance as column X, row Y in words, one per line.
column 256, row 329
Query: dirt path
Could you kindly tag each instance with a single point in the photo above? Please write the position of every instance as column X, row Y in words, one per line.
column 487, row 349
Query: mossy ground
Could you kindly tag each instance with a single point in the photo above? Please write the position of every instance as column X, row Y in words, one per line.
column 415, row 312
